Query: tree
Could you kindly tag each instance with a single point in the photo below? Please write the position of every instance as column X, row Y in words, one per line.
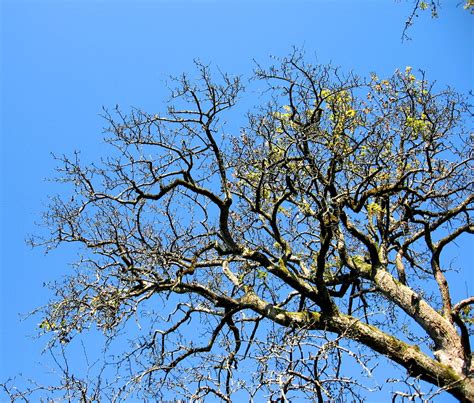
column 268, row 262
column 433, row 6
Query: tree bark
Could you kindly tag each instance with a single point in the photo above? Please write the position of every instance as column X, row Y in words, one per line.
column 417, row 363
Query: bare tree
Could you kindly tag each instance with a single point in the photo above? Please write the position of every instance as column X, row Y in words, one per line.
column 269, row 262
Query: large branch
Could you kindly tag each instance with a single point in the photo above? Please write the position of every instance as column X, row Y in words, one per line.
column 410, row 357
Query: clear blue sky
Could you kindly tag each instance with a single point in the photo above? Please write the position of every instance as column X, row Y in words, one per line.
column 61, row 61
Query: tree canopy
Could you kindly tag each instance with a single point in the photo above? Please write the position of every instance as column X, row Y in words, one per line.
column 273, row 260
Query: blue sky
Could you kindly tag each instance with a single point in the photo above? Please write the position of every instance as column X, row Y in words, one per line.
column 61, row 61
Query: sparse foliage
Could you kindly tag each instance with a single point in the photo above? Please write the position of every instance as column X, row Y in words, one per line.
column 270, row 262
column 431, row 6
